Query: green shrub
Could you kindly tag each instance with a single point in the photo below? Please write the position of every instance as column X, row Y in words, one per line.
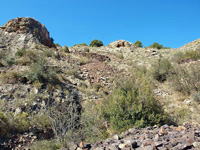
column 196, row 97
column 161, row 69
column 82, row 44
column 178, row 57
column 48, row 53
column 41, row 120
column 57, row 44
column 25, row 61
column 92, row 124
column 192, row 54
column 65, row 49
column 28, row 58
column 11, row 123
column 138, row 44
column 97, row 87
column 182, row 114
column 132, row 104
column 185, row 79
column 20, row 53
column 84, row 60
column 4, row 125
column 31, row 55
column 41, row 71
column 2, row 55
column 119, row 55
column 21, row 122
column 156, row 45
column 96, row 43
column 73, row 72
column 10, row 61
column 86, row 49
column 56, row 56
column 11, row 77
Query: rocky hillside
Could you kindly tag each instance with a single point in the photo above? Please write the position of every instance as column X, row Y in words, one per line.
column 118, row 96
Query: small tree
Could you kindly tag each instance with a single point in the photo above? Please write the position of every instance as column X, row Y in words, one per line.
column 156, row 45
column 65, row 120
column 138, row 44
column 96, row 43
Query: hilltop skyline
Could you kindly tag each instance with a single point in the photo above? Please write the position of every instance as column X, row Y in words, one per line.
column 170, row 23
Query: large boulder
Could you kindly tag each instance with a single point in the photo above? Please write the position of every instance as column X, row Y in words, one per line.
column 24, row 33
column 120, row 43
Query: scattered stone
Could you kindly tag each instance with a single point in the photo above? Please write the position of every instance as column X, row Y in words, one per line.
column 162, row 131
column 165, row 138
column 116, row 137
column 196, row 144
column 121, row 146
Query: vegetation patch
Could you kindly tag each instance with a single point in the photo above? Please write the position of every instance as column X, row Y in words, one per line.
column 185, row 79
column 131, row 104
column 41, row 71
column 161, row 69
column 81, row 44
column 138, row 44
column 11, row 77
column 96, row 43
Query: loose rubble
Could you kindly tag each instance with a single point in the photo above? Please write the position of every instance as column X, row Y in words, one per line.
column 152, row 138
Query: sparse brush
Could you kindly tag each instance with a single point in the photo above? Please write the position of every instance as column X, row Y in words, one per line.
column 10, row 61
column 182, row 114
column 4, row 125
column 185, row 79
column 82, row 44
column 192, row 54
column 20, row 53
column 65, row 49
column 178, row 57
column 41, row 71
column 84, row 60
column 86, row 49
column 119, row 55
column 196, row 97
column 161, row 69
column 11, row 77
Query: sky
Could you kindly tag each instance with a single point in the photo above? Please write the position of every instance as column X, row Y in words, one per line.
column 171, row 23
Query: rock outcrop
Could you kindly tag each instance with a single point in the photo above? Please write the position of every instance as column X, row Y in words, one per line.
column 120, row 43
column 24, row 33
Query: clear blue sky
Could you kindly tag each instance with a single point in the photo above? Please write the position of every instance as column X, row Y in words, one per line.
column 172, row 23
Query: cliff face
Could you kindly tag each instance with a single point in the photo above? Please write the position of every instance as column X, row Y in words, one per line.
column 24, row 33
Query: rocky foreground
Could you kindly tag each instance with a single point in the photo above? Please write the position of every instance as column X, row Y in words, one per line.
column 151, row 138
